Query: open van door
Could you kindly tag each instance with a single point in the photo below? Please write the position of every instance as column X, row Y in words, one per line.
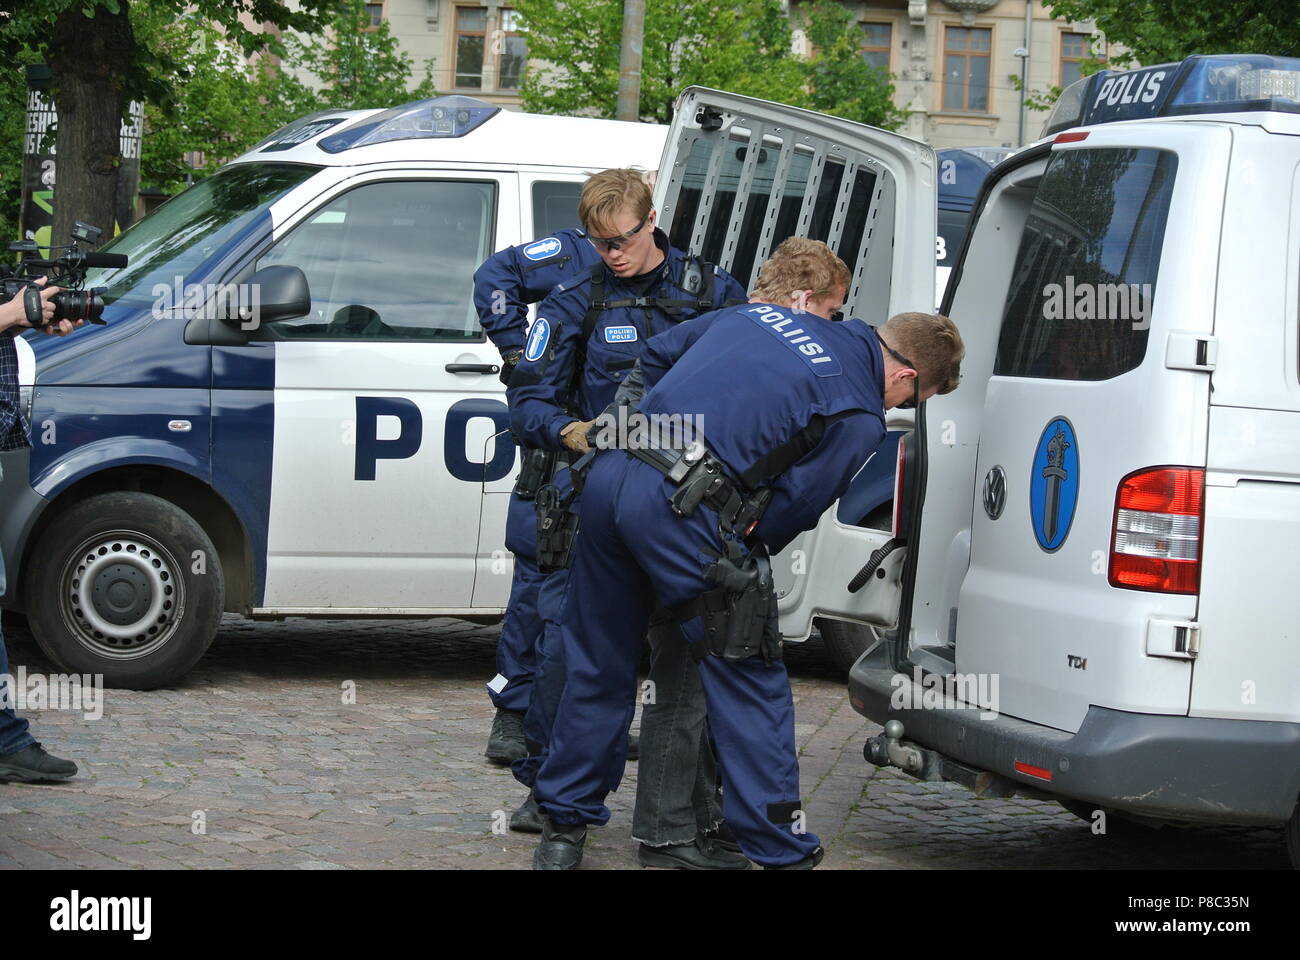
column 740, row 175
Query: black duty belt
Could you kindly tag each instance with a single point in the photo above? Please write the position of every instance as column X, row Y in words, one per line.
column 700, row 477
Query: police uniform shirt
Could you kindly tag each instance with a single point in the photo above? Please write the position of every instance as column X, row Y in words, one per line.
column 508, row 281
column 764, row 385
column 545, row 395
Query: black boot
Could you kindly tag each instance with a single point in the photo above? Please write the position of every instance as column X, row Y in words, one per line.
column 528, row 818
column 701, row 854
column 506, row 741
column 33, row 765
column 560, row 847
column 807, row 863
column 633, row 747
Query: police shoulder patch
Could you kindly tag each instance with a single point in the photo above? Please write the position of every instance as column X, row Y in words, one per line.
column 543, row 249
column 538, row 337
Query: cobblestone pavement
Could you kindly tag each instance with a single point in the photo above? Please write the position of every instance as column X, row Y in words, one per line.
column 258, row 740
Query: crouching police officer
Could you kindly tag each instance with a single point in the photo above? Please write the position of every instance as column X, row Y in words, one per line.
column 587, row 336
column 504, row 286
column 791, row 404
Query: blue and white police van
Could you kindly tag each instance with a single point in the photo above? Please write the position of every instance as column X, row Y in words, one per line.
column 339, row 459
column 1094, row 596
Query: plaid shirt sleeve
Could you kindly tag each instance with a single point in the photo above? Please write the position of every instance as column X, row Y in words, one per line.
column 13, row 427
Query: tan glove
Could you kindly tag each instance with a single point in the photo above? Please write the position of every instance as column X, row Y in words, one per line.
column 574, row 436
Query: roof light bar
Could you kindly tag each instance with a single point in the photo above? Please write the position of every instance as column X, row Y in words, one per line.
column 439, row 118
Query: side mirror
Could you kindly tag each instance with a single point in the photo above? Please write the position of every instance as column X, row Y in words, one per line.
column 282, row 294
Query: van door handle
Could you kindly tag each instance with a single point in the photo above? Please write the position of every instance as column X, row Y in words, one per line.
column 472, row 368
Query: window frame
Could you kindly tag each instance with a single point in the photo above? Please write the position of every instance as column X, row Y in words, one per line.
column 1061, row 59
column 503, row 33
column 383, row 13
column 456, row 34
column 988, row 111
column 888, row 49
column 319, row 203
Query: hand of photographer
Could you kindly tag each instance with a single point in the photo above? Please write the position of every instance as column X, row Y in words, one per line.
column 13, row 313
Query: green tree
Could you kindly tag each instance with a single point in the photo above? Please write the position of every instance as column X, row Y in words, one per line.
column 224, row 104
column 837, row 78
column 100, row 65
column 358, row 68
column 1161, row 31
column 743, row 46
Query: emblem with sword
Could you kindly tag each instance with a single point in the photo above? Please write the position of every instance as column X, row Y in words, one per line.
column 1055, row 474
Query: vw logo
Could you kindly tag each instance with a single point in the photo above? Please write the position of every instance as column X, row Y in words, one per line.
column 995, row 492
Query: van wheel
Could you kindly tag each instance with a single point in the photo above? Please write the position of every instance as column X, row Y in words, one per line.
column 845, row 642
column 127, row 585
column 1293, row 837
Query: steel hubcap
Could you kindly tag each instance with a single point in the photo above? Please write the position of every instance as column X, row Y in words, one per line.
column 122, row 595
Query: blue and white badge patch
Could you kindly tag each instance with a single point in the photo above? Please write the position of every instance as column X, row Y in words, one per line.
column 620, row 334
column 542, row 249
column 538, row 338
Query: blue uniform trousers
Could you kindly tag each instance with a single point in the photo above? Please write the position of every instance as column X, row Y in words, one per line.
column 634, row 555
column 677, row 789
column 522, row 627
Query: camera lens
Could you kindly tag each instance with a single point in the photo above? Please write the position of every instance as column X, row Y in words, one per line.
column 77, row 305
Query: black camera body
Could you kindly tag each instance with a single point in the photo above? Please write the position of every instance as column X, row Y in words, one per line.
column 68, row 271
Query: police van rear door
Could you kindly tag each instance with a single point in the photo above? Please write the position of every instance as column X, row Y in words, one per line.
column 740, row 175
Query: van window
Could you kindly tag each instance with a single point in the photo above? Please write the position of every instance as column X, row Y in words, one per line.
column 184, row 232
column 555, row 206
column 391, row 261
column 1085, row 275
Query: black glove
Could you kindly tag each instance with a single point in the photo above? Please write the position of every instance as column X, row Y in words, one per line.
column 509, row 360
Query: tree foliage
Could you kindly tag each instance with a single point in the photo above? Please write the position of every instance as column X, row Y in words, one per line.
column 223, row 104
column 743, row 46
column 1162, row 31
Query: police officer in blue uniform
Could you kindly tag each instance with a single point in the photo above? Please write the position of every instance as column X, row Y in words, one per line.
column 588, row 334
column 790, row 404
column 504, row 286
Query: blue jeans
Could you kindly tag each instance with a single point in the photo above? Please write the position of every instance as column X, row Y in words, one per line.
column 13, row 728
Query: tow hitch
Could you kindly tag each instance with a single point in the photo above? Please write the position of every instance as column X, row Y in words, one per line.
column 889, row 749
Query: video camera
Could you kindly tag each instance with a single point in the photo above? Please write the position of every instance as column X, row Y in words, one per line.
column 67, row 271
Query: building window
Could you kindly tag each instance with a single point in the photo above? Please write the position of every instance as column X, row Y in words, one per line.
column 966, row 68
column 513, row 53
column 375, row 14
column 471, row 25
column 1075, row 47
column 875, row 44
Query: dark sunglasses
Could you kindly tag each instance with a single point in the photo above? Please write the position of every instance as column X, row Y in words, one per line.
column 916, row 380
column 616, row 242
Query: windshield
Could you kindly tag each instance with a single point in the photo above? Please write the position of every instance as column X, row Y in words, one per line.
column 181, row 234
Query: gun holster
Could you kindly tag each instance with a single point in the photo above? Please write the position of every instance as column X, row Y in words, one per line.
column 557, row 527
column 536, row 467
column 739, row 614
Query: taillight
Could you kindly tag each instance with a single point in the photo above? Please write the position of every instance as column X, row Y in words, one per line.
column 1156, row 537
column 899, row 486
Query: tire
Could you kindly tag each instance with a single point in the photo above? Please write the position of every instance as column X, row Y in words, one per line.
column 845, row 642
column 144, row 615
column 1292, row 834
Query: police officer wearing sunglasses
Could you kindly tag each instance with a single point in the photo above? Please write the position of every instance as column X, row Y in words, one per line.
column 588, row 334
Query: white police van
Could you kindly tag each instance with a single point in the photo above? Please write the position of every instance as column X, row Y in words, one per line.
column 344, row 456
column 1096, row 593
